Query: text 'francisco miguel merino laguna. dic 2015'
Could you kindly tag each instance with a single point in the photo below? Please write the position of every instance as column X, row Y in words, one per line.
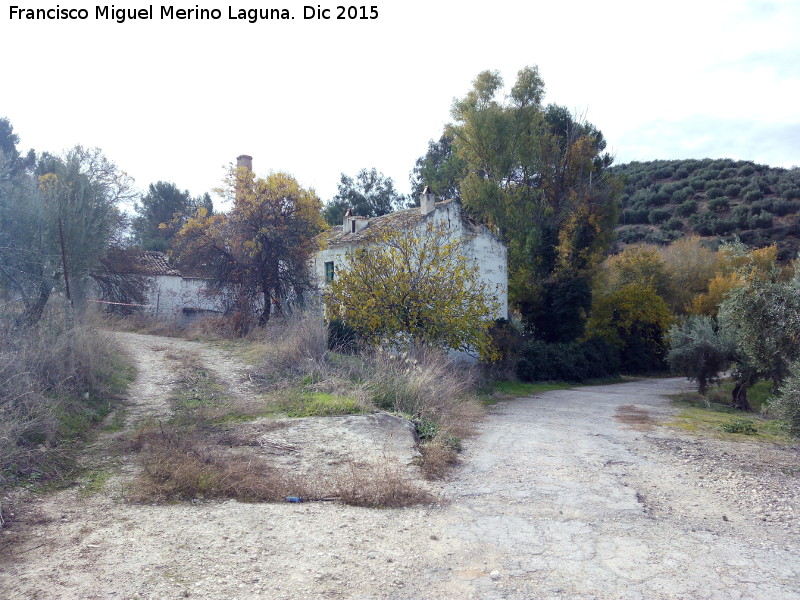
column 251, row 15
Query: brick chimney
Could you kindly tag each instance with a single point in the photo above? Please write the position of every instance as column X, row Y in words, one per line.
column 427, row 201
column 244, row 160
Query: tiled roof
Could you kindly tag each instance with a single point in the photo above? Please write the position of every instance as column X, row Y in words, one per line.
column 140, row 262
column 401, row 219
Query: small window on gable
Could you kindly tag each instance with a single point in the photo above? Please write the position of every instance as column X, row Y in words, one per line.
column 353, row 226
column 329, row 271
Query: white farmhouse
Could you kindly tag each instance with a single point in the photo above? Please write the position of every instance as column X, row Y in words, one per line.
column 481, row 246
column 167, row 293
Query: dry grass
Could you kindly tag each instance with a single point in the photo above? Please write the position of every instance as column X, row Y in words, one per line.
column 180, row 464
column 54, row 387
column 380, row 485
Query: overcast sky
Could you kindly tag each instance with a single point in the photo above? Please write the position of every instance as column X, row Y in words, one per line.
column 178, row 100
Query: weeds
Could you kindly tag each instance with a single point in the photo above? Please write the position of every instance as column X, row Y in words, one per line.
column 55, row 386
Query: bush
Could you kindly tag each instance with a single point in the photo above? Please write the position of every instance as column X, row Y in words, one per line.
column 686, row 208
column 574, row 362
column 632, row 235
column 673, row 224
column 704, row 223
column 784, row 207
column 724, row 227
column 699, row 351
column 658, row 215
column 54, row 386
column 787, row 403
column 718, row 204
column 753, row 195
column 791, row 193
column 762, row 220
column 732, row 190
column 697, row 184
column 739, row 425
column 746, row 170
column 342, row 337
column 634, row 215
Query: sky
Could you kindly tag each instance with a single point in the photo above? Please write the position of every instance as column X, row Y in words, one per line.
column 179, row 100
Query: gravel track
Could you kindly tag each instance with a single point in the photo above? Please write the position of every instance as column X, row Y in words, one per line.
column 569, row 494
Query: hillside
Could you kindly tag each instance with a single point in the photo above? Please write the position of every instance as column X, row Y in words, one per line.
column 663, row 200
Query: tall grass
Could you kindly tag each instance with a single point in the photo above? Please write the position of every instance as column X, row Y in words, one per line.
column 54, row 385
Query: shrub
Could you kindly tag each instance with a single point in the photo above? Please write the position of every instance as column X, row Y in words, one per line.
column 727, row 173
column 718, row 204
column 632, row 235
column 733, row 190
column 673, row 224
column 791, row 193
column 54, row 386
column 784, row 207
column 787, row 403
column 681, row 173
column 704, row 223
column 658, row 198
column 724, row 227
column 342, row 337
column 681, row 195
column 739, row 425
column 753, row 195
column 699, row 351
column 658, row 215
column 697, row 184
column 746, row 170
column 294, row 344
column 686, row 208
column 762, row 220
column 573, row 362
column 634, row 215
column 741, row 214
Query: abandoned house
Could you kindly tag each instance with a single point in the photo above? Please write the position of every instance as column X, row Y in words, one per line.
column 480, row 245
column 145, row 281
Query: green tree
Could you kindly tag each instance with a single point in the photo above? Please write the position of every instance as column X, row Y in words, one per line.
column 369, row 194
column 414, row 288
column 161, row 213
column 75, row 195
column 440, row 169
column 634, row 319
column 763, row 316
column 700, row 350
column 259, row 251
column 787, row 402
column 539, row 176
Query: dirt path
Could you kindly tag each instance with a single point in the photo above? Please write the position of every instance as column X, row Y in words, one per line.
column 570, row 494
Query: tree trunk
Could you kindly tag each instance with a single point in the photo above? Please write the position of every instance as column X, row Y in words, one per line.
column 739, row 396
column 33, row 312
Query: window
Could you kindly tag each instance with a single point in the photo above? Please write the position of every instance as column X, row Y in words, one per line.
column 329, row 271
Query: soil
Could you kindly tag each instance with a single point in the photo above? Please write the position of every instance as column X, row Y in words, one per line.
column 581, row 493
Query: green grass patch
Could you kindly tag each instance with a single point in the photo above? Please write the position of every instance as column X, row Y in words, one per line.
column 518, row 388
column 93, row 482
column 708, row 417
column 319, row 404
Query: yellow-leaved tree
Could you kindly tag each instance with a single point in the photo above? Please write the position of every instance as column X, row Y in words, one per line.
column 415, row 288
column 258, row 252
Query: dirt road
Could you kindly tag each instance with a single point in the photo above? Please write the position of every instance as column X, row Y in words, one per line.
column 570, row 494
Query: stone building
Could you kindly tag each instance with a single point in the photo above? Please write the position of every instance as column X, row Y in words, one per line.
column 480, row 245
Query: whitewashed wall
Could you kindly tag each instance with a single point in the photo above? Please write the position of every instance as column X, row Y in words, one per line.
column 484, row 248
column 174, row 297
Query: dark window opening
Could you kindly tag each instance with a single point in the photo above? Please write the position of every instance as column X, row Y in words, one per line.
column 353, row 225
column 329, row 271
